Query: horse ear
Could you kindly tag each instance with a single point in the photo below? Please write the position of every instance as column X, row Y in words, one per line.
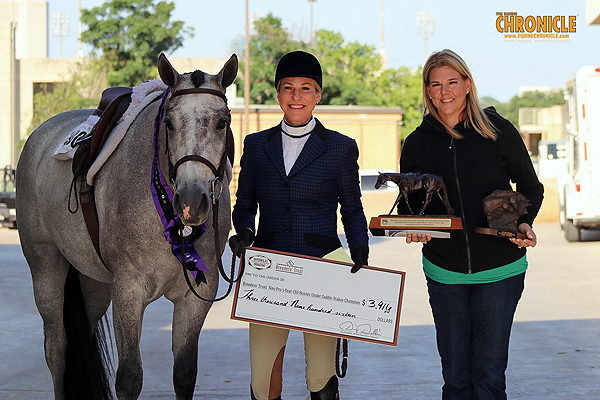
column 168, row 74
column 229, row 71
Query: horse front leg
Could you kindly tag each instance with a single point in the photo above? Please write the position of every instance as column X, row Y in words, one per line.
column 395, row 203
column 187, row 324
column 188, row 317
column 405, row 194
column 425, row 203
column 128, row 312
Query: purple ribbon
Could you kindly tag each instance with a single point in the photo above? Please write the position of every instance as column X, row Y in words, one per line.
column 163, row 202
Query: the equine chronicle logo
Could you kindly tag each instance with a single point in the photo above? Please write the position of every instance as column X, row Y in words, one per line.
column 259, row 262
column 536, row 29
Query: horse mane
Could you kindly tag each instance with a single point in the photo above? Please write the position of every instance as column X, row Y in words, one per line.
column 197, row 78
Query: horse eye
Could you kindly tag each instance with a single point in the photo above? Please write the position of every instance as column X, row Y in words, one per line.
column 168, row 124
column 222, row 124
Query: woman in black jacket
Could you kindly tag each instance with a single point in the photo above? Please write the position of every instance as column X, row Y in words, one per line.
column 296, row 174
column 475, row 281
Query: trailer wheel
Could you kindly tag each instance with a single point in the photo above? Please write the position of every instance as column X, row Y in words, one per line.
column 562, row 215
column 572, row 232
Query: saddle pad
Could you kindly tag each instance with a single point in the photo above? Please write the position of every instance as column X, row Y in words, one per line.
column 65, row 150
column 142, row 95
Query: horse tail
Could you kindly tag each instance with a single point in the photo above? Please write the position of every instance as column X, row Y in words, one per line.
column 87, row 352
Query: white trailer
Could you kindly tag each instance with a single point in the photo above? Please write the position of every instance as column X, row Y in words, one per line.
column 579, row 188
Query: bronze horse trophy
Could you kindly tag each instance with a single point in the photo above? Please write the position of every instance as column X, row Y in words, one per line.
column 412, row 182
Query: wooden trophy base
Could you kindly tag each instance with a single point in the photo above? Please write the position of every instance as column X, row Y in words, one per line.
column 399, row 225
column 499, row 233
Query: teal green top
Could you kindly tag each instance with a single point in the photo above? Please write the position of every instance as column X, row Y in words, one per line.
column 442, row 275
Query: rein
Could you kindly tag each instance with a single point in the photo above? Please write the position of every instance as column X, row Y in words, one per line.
column 175, row 231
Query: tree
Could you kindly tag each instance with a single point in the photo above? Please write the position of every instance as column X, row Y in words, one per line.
column 402, row 87
column 349, row 70
column 487, row 101
column 510, row 110
column 352, row 72
column 131, row 34
column 83, row 88
column 267, row 45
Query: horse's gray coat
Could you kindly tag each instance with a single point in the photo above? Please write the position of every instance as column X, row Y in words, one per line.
column 140, row 267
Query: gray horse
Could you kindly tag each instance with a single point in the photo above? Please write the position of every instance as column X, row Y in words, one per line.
column 139, row 266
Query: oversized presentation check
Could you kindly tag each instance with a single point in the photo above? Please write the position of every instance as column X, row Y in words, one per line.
column 320, row 296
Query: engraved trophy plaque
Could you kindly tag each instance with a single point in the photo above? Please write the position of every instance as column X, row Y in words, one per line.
column 399, row 225
column 502, row 209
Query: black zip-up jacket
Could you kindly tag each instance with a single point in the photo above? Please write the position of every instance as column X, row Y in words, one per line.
column 472, row 168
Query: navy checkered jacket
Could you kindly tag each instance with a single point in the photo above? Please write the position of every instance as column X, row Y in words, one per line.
column 298, row 212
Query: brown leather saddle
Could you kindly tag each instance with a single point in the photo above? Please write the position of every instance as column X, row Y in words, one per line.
column 113, row 104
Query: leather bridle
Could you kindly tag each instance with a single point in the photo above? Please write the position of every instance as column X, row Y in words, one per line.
column 219, row 174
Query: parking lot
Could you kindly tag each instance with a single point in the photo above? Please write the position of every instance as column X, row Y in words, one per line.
column 555, row 346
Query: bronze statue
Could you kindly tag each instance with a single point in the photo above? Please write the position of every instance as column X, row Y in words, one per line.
column 503, row 208
column 411, row 182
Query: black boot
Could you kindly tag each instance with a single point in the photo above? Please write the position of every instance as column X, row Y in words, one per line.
column 254, row 398
column 329, row 392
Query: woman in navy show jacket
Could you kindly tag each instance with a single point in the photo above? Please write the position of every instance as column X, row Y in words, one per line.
column 474, row 280
column 296, row 174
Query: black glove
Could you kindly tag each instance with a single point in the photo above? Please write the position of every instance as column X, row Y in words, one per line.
column 360, row 256
column 240, row 241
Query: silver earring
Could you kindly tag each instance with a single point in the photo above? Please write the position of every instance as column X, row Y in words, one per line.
column 467, row 92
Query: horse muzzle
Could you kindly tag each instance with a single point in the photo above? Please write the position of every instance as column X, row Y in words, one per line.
column 192, row 204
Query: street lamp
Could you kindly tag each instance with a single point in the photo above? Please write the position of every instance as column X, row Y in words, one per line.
column 425, row 25
column 60, row 28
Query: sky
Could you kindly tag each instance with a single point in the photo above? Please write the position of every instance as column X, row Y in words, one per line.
column 499, row 66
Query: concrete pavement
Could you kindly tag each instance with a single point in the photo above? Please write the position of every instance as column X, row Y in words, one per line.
column 555, row 345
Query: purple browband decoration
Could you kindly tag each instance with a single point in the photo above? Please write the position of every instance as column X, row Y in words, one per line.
column 164, row 206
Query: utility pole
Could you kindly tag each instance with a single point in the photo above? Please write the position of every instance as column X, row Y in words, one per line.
column 14, row 106
column 312, row 31
column 382, row 51
column 425, row 26
column 80, row 48
column 60, row 29
column 247, row 74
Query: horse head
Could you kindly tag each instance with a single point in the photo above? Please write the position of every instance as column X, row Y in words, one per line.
column 196, row 123
column 381, row 180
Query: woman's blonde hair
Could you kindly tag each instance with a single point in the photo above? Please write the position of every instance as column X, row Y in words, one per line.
column 473, row 113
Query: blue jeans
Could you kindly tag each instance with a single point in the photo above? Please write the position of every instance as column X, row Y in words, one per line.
column 473, row 324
